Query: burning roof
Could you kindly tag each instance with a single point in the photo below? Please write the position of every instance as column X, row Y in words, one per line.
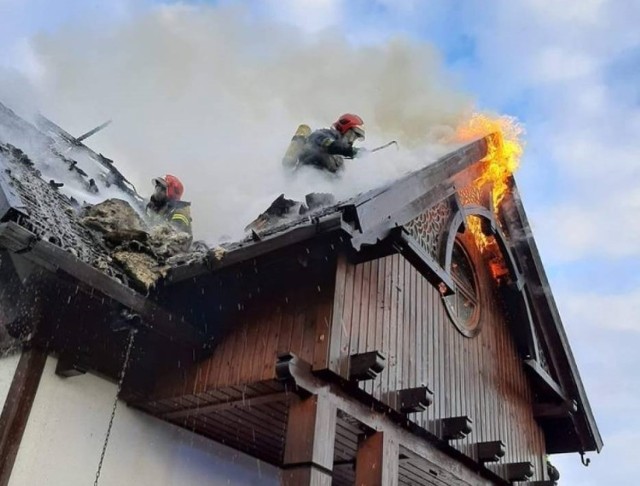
column 47, row 177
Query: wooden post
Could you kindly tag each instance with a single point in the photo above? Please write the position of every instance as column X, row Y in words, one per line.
column 377, row 461
column 17, row 406
column 308, row 451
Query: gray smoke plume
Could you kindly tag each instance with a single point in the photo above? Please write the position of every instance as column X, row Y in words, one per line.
column 213, row 95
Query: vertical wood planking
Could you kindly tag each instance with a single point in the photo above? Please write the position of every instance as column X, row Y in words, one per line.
column 393, row 325
column 381, row 312
column 356, row 325
column 395, row 310
column 372, row 315
column 387, row 305
column 268, row 369
column 345, row 336
column 337, row 314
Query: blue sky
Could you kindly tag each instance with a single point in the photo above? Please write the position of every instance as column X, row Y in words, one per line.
column 570, row 71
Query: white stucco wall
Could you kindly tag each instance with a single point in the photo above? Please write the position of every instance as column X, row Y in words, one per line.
column 64, row 436
column 8, row 365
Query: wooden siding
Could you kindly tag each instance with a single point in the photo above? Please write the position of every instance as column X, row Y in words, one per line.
column 387, row 305
column 294, row 317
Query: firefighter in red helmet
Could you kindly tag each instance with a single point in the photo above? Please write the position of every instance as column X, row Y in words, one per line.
column 166, row 203
column 327, row 148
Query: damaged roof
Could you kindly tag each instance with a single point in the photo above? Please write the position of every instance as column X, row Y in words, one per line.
column 36, row 211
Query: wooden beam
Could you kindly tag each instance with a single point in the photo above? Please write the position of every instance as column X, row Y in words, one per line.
column 451, row 466
column 542, row 411
column 377, row 461
column 543, row 380
column 425, row 263
column 310, row 438
column 230, row 404
column 17, row 407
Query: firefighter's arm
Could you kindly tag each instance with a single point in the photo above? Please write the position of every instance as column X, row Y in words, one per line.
column 339, row 147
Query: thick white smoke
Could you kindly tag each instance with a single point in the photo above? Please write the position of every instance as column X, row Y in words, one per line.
column 213, row 95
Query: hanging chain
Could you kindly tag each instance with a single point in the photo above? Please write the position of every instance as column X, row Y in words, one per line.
column 125, row 364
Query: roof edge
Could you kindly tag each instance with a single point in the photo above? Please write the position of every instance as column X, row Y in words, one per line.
column 535, row 274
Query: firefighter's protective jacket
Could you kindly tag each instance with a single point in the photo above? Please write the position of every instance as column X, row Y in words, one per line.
column 177, row 213
column 326, row 149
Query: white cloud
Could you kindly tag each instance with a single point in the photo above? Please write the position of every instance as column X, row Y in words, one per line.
column 310, row 15
column 604, row 225
column 553, row 64
column 602, row 311
column 617, row 464
column 585, row 13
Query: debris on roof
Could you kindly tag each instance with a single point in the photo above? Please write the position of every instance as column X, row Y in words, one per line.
column 66, row 194
column 140, row 249
column 283, row 210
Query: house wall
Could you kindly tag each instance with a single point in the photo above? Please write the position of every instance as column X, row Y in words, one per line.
column 387, row 305
column 66, row 429
column 294, row 318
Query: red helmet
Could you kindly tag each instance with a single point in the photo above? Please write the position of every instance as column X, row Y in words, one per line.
column 348, row 121
column 174, row 187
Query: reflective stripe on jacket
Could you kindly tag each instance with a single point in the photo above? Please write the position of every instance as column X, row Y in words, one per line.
column 177, row 213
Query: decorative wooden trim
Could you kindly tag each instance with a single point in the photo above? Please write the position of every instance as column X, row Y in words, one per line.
column 17, row 407
column 377, row 461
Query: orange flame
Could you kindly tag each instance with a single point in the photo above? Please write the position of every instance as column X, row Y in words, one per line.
column 474, row 225
column 503, row 157
column 503, row 150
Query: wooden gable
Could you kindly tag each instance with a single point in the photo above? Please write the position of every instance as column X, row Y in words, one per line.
column 343, row 325
column 359, row 297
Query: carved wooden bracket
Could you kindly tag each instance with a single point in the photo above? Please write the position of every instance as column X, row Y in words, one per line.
column 412, row 400
column 518, row 471
column 454, row 428
column 490, row 451
column 366, row 366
